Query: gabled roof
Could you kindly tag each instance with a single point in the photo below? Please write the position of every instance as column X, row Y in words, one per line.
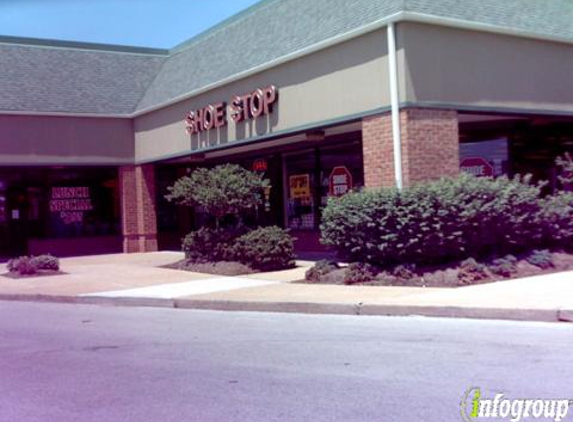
column 64, row 79
column 93, row 79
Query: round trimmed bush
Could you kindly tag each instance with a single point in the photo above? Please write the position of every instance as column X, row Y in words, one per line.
column 209, row 245
column 265, row 249
column 46, row 262
column 320, row 269
column 23, row 266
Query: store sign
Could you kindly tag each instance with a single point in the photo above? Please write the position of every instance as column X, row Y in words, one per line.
column 476, row 166
column 340, row 181
column 240, row 108
column 260, row 165
column 299, row 186
column 71, row 203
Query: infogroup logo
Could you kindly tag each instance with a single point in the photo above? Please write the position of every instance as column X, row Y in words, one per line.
column 475, row 408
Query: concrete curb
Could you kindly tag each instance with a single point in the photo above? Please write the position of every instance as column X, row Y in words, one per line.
column 91, row 300
column 538, row 315
column 541, row 315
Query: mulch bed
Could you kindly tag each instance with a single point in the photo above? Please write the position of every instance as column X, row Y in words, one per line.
column 448, row 276
column 223, row 268
column 40, row 273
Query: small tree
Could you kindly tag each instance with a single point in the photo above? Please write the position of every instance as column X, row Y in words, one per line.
column 225, row 190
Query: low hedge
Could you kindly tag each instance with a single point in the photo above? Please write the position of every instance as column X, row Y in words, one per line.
column 446, row 220
column 557, row 219
column 29, row 265
column 210, row 245
column 265, row 248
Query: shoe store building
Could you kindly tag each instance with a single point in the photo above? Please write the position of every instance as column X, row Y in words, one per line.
column 321, row 96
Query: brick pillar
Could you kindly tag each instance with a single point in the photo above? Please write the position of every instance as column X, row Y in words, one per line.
column 139, row 220
column 430, row 147
column 377, row 150
column 430, row 144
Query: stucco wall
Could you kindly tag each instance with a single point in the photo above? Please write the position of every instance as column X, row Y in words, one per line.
column 343, row 80
column 41, row 140
column 477, row 69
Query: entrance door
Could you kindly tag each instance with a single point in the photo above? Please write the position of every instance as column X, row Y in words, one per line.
column 4, row 232
column 16, row 201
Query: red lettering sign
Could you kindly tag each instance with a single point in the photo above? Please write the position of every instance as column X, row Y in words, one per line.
column 340, row 181
column 71, row 203
column 260, row 165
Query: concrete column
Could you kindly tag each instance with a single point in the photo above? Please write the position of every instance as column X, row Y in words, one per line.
column 138, row 208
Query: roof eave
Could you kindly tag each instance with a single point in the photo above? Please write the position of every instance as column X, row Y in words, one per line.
column 403, row 16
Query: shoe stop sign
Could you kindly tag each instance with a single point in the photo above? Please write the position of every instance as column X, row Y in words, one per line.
column 476, row 166
column 340, row 181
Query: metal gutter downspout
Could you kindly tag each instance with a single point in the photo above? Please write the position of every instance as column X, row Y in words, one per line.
column 395, row 104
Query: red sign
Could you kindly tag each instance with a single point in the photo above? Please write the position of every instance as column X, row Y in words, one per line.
column 340, row 181
column 241, row 107
column 476, row 166
column 260, row 165
column 71, row 203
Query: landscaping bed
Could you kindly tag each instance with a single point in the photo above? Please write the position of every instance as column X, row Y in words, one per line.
column 447, row 233
column 33, row 266
column 230, row 243
column 459, row 274
column 224, row 268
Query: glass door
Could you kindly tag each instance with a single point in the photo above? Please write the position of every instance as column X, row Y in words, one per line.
column 300, row 195
column 4, row 239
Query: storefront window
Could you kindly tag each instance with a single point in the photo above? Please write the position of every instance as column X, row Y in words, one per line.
column 53, row 203
column 485, row 158
column 301, row 209
column 314, row 175
column 341, row 170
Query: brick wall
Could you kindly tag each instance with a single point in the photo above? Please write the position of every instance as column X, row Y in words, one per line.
column 139, row 218
column 430, row 147
column 377, row 151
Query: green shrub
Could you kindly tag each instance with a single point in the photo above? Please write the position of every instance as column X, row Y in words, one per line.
column 320, row 269
column 557, row 220
column 404, row 272
column 542, row 259
column 46, row 262
column 472, row 271
column 565, row 165
column 441, row 221
column 359, row 272
column 223, row 191
column 265, row 249
column 23, row 266
column 209, row 245
column 505, row 267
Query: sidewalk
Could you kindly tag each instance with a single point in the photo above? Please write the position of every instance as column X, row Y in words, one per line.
column 136, row 280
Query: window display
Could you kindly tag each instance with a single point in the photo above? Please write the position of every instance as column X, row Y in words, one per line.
column 314, row 175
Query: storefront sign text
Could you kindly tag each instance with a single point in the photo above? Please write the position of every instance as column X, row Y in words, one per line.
column 71, row 203
column 340, row 181
column 240, row 108
column 260, row 165
column 476, row 166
